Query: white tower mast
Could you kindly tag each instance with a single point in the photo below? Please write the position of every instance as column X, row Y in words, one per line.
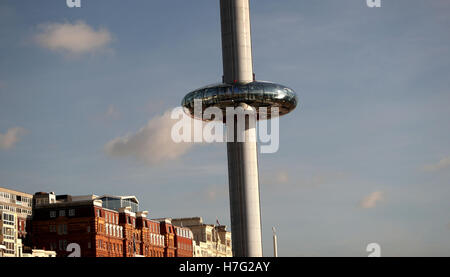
column 240, row 90
column 275, row 243
column 242, row 156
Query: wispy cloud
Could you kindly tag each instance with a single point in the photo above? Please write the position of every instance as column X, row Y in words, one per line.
column 442, row 164
column 11, row 137
column 112, row 112
column 282, row 177
column 215, row 192
column 72, row 38
column 109, row 114
column 152, row 144
column 299, row 178
column 372, row 200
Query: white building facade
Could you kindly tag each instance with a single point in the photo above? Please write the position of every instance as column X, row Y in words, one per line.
column 9, row 235
column 209, row 240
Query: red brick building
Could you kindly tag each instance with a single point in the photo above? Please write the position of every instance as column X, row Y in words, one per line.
column 83, row 221
column 59, row 220
column 178, row 240
column 183, row 242
column 109, row 233
column 152, row 242
column 99, row 232
column 131, row 235
column 168, row 231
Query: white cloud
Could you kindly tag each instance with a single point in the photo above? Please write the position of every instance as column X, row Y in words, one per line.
column 372, row 200
column 76, row 38
column 443, row 163
column 152, row 144
column 11, row 137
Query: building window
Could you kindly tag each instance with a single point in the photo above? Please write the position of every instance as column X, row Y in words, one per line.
column 71, row 212
column 62, row 229
column 89, row 244
column 52, row 214
column 62, row 244
column 62, row 213
column 88, row 228
column 99, row 213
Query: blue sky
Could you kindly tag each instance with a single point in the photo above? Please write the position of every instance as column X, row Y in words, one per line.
column 364, row 158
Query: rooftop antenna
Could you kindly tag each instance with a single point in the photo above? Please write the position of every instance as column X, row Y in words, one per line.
column 275, row 244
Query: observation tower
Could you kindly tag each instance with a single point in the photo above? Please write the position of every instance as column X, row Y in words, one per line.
column 240, row 89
